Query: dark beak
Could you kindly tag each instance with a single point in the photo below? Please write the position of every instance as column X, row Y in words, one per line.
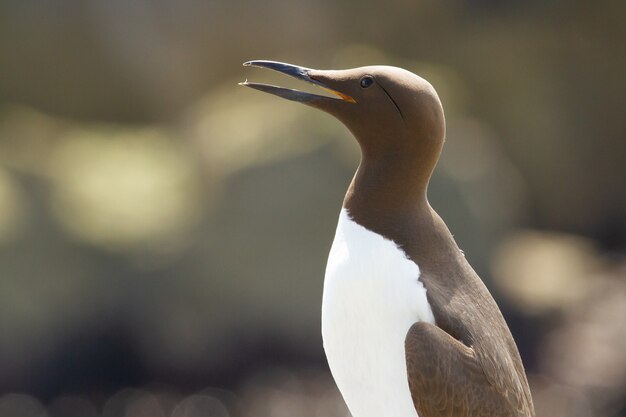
column 300, row 73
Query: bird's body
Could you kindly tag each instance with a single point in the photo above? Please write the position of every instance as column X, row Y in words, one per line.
column 409, row 329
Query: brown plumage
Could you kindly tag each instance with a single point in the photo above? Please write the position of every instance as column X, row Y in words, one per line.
column 467, row 364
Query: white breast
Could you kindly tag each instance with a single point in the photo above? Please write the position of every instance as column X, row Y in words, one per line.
column 372, row 296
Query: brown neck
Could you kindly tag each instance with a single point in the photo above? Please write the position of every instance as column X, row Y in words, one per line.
column 390, row 199
column 388, row 186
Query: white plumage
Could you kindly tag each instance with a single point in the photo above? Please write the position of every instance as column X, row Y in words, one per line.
column 372, row 296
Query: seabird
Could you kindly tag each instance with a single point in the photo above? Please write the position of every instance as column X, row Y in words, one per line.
column 409, row 328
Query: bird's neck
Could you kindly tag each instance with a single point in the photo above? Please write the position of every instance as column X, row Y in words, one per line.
column 386, row 191
column 390, row 199
column 388, row 184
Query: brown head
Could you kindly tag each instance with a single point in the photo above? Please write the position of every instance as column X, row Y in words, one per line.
column 395, row 115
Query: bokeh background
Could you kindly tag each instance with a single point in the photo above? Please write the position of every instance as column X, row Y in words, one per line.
column 163, row 231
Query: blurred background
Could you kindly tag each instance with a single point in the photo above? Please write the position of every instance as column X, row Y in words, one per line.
column 163, row 231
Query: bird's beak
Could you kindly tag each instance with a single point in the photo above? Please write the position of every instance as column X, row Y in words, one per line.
column 300, row 73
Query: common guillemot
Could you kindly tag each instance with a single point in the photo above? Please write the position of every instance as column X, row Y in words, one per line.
column 409, row 328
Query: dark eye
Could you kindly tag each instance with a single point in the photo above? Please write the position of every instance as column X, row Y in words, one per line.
column 367, row 81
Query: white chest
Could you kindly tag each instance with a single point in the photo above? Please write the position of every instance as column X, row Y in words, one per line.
column 372, row 296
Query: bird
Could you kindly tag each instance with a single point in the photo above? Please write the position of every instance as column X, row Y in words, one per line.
column 409, row 329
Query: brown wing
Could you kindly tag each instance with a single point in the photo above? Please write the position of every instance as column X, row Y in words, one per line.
column 447, row 380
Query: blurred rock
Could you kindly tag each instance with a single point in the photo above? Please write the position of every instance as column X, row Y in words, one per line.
column 588, row 351
column 71, row 406
column 278, row 393
column 21, row 405
column 124, row 188
column 11, row 208
column 540, row 271
column 555, row 400
column 200, row 405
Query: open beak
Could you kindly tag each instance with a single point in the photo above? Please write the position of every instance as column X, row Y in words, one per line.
column 300, row 73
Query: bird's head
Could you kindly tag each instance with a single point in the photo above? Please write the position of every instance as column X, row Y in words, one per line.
column 392, row 112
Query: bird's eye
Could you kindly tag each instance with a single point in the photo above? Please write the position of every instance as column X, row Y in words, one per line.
column 367, row 81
